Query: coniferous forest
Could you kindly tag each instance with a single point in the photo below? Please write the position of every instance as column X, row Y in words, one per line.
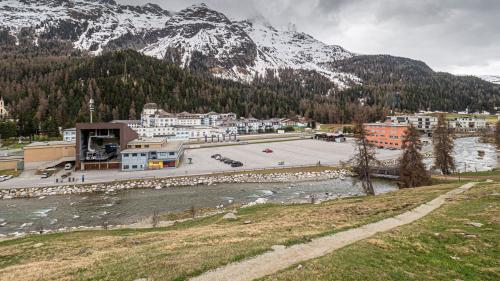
column 49, row 86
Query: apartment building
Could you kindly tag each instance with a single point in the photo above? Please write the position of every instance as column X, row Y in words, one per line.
column 69, row 135
column 386, row 135
column 467, row 124
column 423, row 123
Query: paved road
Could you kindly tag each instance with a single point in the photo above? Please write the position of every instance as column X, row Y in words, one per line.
column 282, row 258
column 292, row 153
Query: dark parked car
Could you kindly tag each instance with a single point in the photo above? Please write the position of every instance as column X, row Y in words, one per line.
column 228, row 161
column 216, row 156
column 236, row 164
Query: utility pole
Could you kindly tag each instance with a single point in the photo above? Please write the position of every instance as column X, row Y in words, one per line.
column 91, row 107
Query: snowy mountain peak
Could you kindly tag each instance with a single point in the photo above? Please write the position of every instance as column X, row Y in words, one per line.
column 195, row 37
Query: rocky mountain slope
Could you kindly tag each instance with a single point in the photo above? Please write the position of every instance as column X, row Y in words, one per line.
column 196, row 37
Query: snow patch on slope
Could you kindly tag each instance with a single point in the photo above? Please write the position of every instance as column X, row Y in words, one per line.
column 491, row 78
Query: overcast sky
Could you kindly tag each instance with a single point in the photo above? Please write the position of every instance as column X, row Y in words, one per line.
column 457, row 36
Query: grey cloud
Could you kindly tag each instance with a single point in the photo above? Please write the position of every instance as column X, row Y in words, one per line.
column 449, row 35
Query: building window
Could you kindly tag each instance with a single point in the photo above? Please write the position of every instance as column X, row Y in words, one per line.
column 134, row 154
column 125, row 155
column 134, row 166
column 125, row 167
column 171, row 153
column 143, row 154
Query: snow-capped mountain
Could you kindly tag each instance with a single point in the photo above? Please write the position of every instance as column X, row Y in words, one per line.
column 491, row 78
column 91, row 25
column 195, row 37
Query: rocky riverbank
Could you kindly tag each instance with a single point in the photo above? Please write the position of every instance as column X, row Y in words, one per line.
column 37, row 192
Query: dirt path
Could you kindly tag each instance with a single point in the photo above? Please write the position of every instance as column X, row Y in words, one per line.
column 282, row 258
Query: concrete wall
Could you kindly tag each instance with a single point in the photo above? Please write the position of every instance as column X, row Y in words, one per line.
column 34, row 156
column 11, row 164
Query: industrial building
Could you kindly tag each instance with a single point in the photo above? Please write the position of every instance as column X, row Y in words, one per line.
column 98, row 145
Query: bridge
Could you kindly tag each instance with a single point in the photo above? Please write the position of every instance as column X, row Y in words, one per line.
column 386, row 172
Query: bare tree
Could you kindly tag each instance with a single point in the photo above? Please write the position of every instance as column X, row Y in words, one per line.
column 411, row 166
column 155, row 219
column 364, row 157
column 443, row 146
column 192, row 210
column 497, row 134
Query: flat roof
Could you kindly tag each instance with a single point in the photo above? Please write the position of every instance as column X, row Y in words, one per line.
column 386, row 125
column 50, row 143
column 171, row 146
column 127, row 121
column 148, row 140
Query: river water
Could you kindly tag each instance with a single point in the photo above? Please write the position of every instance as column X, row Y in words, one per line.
column 129, row 206
column 467, row 157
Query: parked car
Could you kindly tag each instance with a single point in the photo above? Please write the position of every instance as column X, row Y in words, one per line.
column 267, row 150
column 216, row 155
column 45, row 175
column 68, row 166
column 8, row 177
column 236, row 164
column 228, row 161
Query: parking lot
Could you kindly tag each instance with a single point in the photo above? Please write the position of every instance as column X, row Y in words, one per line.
column 291, row 153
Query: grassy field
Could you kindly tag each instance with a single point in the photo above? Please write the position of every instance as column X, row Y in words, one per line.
column 10, row 172
column 190, row 248
column 333, row 127
column 489, row 118
column 442, row 246
column 493, row 175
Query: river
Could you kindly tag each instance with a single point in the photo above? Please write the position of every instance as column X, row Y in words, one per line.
column 129, row 206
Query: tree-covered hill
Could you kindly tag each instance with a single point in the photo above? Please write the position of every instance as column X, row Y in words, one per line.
column 45, row 91
column 49, row 86
column 419, row 87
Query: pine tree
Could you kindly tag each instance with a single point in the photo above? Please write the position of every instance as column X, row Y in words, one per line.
column 443, row 146
column 364, row 157
column 411, row 167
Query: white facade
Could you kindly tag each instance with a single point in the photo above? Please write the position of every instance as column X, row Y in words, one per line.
column 468, row 124
column 156, row 122
column 69, row 135
column 420, row 122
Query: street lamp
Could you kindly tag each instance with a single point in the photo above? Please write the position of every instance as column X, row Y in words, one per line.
column 91, row 107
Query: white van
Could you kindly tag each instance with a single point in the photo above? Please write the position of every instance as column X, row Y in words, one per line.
column 68, row 166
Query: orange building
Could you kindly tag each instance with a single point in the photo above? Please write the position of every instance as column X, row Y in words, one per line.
column 385, row 135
